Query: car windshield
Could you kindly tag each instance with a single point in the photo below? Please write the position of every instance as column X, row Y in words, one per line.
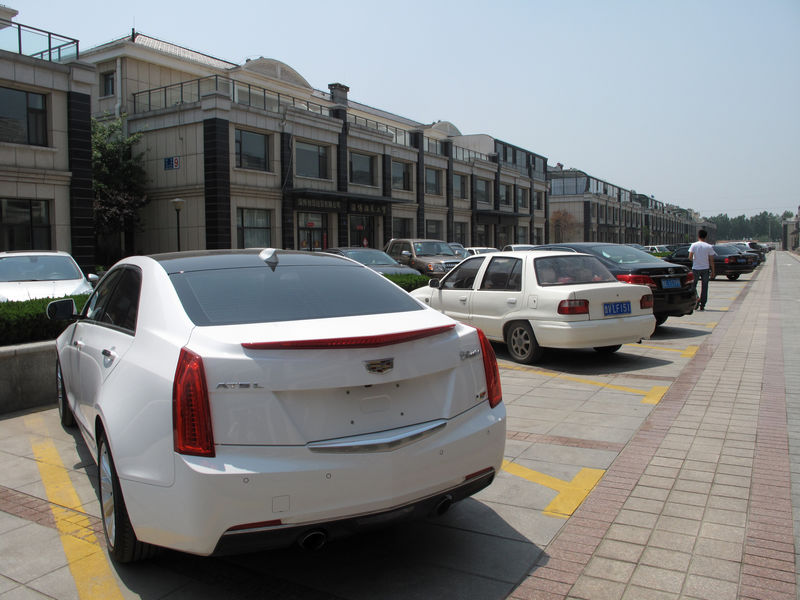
column 726, row 250
column 569, row 270
column 289, row 293
column 38, row 268
column 432, row 249
column 370, row 257
column 621, row 254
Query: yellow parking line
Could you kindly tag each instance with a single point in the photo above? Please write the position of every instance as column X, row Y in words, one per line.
column 687, row 352
column 655, row 394
column 87, row 560
column 570, row 493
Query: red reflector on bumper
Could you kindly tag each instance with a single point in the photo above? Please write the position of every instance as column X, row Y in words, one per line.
column 480, row 473
column 260, row 524
column 364, row 341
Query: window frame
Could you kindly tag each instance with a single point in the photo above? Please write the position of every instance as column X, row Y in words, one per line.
column 371, row 177
column 242, row 229
column 322, row 160
column 35, row 119
column 436, row 188
column 405, row 177
column 108, row 80
column 239, row 145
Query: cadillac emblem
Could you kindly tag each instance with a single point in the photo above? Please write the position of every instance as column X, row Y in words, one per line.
column 381, row 365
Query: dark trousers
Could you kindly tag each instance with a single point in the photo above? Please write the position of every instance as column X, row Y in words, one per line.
column 702, row 275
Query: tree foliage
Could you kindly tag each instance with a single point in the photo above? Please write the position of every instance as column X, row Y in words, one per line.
column 118, row 177
column 764, row 226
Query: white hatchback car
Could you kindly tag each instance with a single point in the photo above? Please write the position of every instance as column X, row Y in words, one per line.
column 29, row 274
column 533, row 300
column 239, row 400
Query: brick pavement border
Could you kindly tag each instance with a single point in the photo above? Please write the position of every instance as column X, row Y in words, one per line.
column 768, row 560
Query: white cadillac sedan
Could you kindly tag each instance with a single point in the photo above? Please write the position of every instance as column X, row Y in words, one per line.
column 240, row 400
column 30, row 274
column 533, row 300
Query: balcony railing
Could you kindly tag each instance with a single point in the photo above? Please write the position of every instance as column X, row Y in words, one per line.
column 36, row 43
column 240, row 93
column 401, row 136
column 467, row 155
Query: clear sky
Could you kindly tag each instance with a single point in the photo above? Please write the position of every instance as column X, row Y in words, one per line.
column 696, row 102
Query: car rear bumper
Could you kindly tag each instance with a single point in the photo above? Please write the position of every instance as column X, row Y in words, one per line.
column 674, row 304
column 271, row 494
column 594, row 333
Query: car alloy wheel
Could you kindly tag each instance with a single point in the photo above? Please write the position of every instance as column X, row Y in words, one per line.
column 522, row 344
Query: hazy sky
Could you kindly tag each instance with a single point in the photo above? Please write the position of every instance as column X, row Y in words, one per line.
column 696, row 102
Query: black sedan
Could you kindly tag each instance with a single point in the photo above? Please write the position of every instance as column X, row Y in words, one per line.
column 728, row 260
column 672, row 284
column 377, row 260
column 745, row 247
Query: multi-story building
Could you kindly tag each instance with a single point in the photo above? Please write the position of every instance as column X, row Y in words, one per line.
column 45, row 142
column 252, row 155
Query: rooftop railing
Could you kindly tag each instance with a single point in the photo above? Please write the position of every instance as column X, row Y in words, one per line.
column 467, row 155
column 238, row 92
column 401, row 136
column 36, row 43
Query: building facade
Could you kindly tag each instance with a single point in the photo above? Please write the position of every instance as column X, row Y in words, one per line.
column 251, row 155
column 45, row 142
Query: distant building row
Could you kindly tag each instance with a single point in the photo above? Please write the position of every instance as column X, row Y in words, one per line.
column 256, row 157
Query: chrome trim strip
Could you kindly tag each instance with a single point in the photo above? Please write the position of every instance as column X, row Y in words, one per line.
column 384, row 441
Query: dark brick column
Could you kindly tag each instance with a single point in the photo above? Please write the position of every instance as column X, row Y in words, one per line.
column 81, row 196
column 287, row 183
column 217, row 170
column 587, row 221
column 450, row 223
column 417, row 142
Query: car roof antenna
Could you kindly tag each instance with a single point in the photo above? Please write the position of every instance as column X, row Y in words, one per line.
column 269, row 256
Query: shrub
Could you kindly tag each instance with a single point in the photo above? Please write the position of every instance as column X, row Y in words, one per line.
column 408, row 282
column 26, row 321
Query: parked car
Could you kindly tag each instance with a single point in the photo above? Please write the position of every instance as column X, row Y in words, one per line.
column 637, row 246
column 656, row 249
column 25, row 275
column 433, row 258
column 672, row 284
column 243, row 399
column 760, row 254
column 480, row 250
column 377, row 260
column 459, row 249
column 518, row 247
column 728, row 261
column 537, row 300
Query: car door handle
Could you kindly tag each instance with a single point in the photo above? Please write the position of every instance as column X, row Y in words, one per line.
column 511, row 300
column 109, row 353
column 78, row 344
column 463, row 299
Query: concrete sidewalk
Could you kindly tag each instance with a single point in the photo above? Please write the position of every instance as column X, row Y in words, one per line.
column 700, row 503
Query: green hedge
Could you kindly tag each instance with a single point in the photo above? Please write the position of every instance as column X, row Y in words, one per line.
column 408, row 282
column 23, row 322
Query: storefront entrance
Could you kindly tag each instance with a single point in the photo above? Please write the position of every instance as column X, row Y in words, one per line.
column 362, row 231
column 312, row 231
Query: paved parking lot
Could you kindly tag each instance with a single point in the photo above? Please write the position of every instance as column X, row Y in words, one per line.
column 569, row 418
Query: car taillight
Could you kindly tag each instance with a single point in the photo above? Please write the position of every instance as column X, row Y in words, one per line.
column 728, row 260
column 191, row 412
column 490, row 368
column 646, row 301
column 637, row 279
column 689, row 278
column 573, row 307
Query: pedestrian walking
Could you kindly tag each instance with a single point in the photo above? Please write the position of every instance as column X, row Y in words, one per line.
column 702, row 254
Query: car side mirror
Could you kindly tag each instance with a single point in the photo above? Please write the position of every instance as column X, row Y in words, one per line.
column 62, row 310
column 93, row 278
column 434, row 283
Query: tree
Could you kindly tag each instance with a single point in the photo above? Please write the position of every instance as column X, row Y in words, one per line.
column 563, row 225
column 118, row 182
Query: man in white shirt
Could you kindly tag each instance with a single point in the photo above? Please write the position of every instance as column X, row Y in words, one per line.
column 702, row 254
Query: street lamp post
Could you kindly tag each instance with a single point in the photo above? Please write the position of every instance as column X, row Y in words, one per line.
column 178, row 203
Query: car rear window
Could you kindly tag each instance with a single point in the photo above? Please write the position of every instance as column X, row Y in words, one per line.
column 569, row 270
column 624, row 255
column 289, row 293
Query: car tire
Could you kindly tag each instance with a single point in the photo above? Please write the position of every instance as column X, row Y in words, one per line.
column 64, row 411
column 608, row 349
column 522, row 344
column 660, row 319
column 121, row 541
column 733, row 276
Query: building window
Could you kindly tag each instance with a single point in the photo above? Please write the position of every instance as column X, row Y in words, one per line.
column 312, row 160
column 362, row 169
column 401, row 176
column 24, row 224
column 107, row 83
column 401, row 228
column 253, row 228
column 506, row 194
column 433, row 230
column 538, row 235
column 522, row 199
column 482, row 191
column 433, row 182
column 460, row 232
column 539, row 200
column 252, row 150
column 23, row 117
column 460, row 187
column 522, row 235
column 481, row 236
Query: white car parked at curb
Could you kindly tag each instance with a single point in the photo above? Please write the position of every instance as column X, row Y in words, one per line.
column 30, row 274
column 239, row 400
column 533, row 300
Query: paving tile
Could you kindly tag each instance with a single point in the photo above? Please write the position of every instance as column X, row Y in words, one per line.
column 591, row 588
column 709, row 566
column 718, row 549
column 725, row 533
column 634, row 592
column 628, row 533
column 618, row 550
column 666, row 559
column 606, row 568
column 657, row 578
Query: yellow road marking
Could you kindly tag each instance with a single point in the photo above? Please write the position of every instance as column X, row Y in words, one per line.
column 655, row 392
column 687, row 352
column 570, row 493
column 87, row 560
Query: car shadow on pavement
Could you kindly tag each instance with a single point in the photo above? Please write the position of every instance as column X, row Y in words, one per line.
column 665, row 332
column 589, row 362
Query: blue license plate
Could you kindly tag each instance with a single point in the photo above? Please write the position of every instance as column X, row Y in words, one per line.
column 616, row 308
column 742, row 260
column 670, row 283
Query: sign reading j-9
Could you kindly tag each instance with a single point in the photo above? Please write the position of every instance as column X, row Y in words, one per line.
column 172, row 162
